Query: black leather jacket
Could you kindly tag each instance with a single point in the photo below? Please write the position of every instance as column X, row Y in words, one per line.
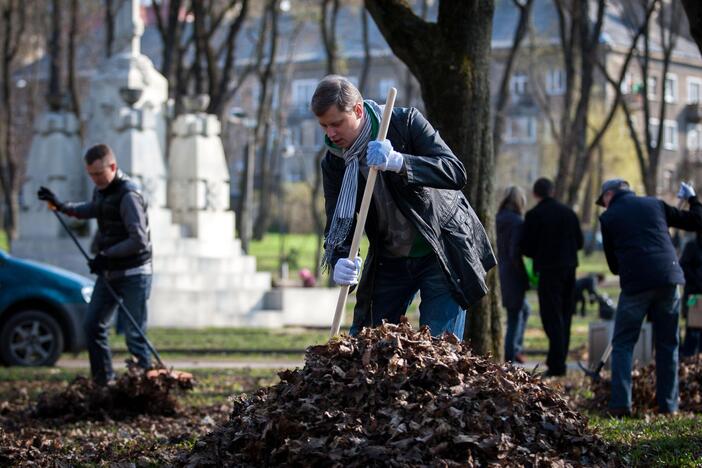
column 430, row 196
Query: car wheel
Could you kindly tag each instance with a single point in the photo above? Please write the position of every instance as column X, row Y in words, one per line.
column 31, row 338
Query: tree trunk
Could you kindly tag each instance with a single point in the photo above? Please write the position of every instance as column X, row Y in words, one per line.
column 458, row 105
column 327, row 30
column 109, row 26
column 693, row 8
column 365, row 65
column 264, row 127
column 503, row 93
column 71, row 65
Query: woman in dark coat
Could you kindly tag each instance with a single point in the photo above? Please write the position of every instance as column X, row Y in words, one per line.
column 691, row 264
column 513, row 277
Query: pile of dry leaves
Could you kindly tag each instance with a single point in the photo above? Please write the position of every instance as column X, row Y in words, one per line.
column 133, row 393
column 394, row 396
column 643, row 391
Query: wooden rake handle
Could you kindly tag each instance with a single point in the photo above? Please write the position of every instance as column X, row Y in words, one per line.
column 363, row 212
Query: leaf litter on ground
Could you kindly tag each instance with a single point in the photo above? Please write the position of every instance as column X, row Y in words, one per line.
column 394, row 396
column 643, row 391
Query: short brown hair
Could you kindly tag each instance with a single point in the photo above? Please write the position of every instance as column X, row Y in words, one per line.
column 334, row 90
column 96, row 152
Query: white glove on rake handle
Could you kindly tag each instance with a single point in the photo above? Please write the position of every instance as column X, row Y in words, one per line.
column 346, row 271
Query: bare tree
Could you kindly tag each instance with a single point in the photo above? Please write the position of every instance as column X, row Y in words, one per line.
column 55, row 46
column 458, row 104
column 524, row 7
column 71, row 61
column 210, row 45
column 12, row 30
column 579, row 40
column 366, row 64
column 263, row 119
column 693, row 9
column 110, row 9
column 647, row 137
column 328, row 18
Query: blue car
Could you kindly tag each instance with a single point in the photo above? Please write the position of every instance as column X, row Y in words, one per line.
column 41, row 311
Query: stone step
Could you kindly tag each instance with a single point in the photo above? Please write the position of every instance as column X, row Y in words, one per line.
column 198, row 248
column 174, row 308
column 208, row 281
column 189, row 265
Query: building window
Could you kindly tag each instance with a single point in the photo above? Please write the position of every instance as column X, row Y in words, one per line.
column 694, row 90
column 555, row 82
column 652, row 88
column 653, row 125
column 670, row 135
column 671, row 87
column 384, row 86
column 302, row 91
column 520, row 130
column 311, row 135
column 518, row 84
column 694, row 137
column 627, row 83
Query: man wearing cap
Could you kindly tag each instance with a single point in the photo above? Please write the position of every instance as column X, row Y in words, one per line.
column 639, row 249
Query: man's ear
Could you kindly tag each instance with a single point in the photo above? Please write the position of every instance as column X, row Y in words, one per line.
column 358, row 109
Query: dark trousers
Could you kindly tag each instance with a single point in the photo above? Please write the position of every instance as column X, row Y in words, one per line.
column 556, row 307
column 134, row 291
column 397, row 281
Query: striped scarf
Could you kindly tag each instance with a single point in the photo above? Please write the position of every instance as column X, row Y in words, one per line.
column 346, row 203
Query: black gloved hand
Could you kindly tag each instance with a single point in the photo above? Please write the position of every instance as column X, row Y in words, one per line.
column 48, row 196
column 98, row 264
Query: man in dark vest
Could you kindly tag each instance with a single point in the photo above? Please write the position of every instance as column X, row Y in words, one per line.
column 552, row 237
column 123, row 259
column 639, row 249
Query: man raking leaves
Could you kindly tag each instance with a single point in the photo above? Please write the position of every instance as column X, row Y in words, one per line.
column 122, row 264
column 423, row 234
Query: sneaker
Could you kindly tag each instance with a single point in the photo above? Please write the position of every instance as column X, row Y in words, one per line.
column 520, row 358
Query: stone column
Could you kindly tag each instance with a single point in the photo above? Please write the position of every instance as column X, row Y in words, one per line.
column 198, row 192
column 54, row 161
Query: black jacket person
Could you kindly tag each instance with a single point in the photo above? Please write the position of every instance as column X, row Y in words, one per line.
column 423, row 234
column 552, row 237
column 124, row 258
column 639, row 249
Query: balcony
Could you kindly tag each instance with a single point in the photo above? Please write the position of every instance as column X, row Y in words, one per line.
column 693, row 112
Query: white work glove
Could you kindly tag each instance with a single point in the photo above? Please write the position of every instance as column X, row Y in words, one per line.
column 381, row 156
column 686, row 191
column 346, row 271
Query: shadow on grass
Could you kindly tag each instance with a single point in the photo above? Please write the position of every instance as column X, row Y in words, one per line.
column 654, row 440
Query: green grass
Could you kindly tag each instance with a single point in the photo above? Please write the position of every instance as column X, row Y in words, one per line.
column 300, row 249
column 658, row 441
column 3, row 241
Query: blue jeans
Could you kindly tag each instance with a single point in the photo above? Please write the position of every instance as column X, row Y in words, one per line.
column 397, row 281
column 516, row 324
column 134, row 291
column 662, row 305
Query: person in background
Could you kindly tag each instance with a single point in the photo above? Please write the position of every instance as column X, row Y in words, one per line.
column 514, row 281
column 587, row 284
column 691, row 264
column 552, row 237
column 123, row 260
column 638, row 248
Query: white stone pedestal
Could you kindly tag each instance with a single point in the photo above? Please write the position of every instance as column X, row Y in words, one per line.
column 198, row 191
